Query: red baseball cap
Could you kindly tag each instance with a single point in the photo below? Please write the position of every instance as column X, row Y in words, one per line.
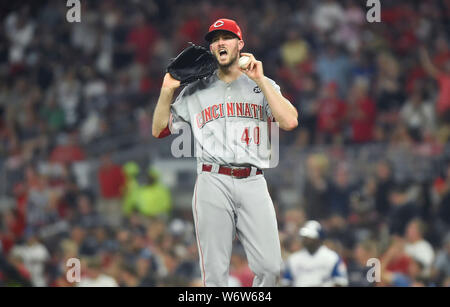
column 224, row 24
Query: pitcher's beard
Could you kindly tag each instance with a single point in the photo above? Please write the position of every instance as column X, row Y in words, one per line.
column 227, row 65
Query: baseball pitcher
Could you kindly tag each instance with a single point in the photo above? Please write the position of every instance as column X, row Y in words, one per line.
column 229, row 112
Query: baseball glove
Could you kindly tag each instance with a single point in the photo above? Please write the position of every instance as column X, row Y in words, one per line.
column 193, row 63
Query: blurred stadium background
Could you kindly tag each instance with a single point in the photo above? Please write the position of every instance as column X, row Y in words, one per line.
column 81, row 176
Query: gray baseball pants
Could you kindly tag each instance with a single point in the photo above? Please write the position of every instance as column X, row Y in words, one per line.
column 223, row 207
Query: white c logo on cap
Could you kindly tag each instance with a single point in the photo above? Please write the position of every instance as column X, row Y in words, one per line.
column 218, row 23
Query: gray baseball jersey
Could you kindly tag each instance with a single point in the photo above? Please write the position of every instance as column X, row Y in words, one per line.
column 230, row 125
column 230, row 121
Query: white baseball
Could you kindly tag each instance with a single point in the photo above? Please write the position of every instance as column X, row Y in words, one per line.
column 243, row 61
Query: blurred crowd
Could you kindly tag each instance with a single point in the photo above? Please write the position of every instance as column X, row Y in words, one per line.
column 66, row 88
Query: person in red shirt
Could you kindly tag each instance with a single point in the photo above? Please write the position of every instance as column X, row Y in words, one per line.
column 442, row 54
column 68, row 152
column 362, row 112
column 142, row 38
column 191, row 29
column 239, row 267
column 442, row 76
column 112, row 181
column 111, row 178
column 330, row 113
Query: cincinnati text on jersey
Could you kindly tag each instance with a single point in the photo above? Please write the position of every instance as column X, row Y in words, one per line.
column 230, row 109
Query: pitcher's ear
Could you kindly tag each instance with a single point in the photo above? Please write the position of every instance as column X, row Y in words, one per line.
column 241, row 44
